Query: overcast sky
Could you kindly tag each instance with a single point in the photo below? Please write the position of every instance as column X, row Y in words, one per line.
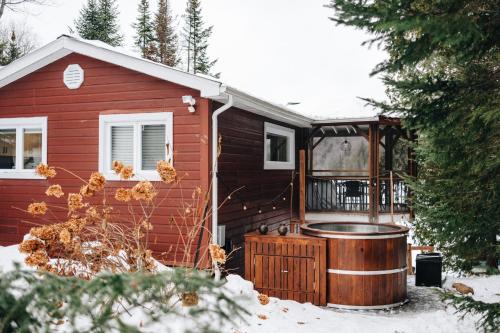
column 280, row 50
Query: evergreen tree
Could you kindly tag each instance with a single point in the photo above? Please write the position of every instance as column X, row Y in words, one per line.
column 166, row 49
column 196, row 40
column 3, row 57
column 13, row 51
column 110, row 30
column 98, row 21
column 144, row 36
column 14, row 43
column 443, row 78
column 88, row 23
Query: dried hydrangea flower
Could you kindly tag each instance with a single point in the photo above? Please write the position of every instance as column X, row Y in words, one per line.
column 189, row 299
column 37, row 208
column 31, row 245
column 92, row 213
column 123, row 195
column 166, row 171
column 86, row 191
column 144, row 190
column 97, row 181
column 45, row 171
column 54, row 191
column 75, row 201
column 117, row 166
column 47, row 232
column 38, row 258
column 65, row 236
column 126, row 172
column 263, row 299
column 217, row 253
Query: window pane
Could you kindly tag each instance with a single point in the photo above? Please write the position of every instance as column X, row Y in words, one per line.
column 153, row 145
column 7, row 148
column 32, row 154
column 122, row 144
column 277, row 148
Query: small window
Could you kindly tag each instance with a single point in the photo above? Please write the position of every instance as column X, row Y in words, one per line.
column 23, row 145
column 279, row 147
column 139, row 140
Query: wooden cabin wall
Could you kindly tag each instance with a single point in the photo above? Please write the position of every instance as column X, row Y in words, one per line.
column 241, row 165
column 73, row 134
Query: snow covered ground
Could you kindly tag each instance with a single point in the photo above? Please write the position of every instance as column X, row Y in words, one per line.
column 424, row 313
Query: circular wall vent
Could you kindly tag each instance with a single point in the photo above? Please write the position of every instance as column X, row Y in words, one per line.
column 73, row 76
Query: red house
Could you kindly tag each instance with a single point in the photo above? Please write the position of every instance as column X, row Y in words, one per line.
column 80, row 104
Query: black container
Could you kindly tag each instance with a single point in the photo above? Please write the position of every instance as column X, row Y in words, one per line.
column 428, row 270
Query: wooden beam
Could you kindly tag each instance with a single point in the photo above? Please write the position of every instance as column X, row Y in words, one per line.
column 302, row 186
column 360, row 131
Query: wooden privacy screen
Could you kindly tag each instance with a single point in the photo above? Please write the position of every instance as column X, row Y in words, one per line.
column 288, row 267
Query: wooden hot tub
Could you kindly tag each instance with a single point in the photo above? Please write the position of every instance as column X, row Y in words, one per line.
column 366, row 263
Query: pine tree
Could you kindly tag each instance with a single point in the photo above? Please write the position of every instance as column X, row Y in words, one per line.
column 97, row 21
column 13, row 51
column 443, row 78
column 166, row 49
column 88, row 23
column 110, row 30
column 3, row 57
column 196, row 40
column 144, row 36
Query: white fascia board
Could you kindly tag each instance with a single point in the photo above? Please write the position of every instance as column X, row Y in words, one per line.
column 32, row 62
column 205, row 86
column 266, row 109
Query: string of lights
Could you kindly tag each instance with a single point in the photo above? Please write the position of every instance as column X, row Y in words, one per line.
column 274, row 203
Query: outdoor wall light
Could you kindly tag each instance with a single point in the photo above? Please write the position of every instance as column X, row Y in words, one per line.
column 190, row 101
column 346, row 147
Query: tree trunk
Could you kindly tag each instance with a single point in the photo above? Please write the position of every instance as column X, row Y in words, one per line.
column 2, row 7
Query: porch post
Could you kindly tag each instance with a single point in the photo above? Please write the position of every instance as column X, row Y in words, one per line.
column 302, row 185
column 373, row 172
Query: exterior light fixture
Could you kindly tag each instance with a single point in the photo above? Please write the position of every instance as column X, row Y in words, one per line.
column 346, row 147
column 189, row 100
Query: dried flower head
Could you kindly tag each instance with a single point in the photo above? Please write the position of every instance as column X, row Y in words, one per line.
column 86, row 191
column 38, row 258
column 31, row 245
column 45, row 171
column 117, row 166
column 189, row 299
column 263, row 299
column 75, row 202
column 65, row 236
column 217, row 253
column 96, row 181
column 166, row 171
column 144, row 190
column 45, row 233
column 146, row 225
column 54, row 191
column 37, row 208
column 126, row 172
column 123, row 194
column 92, row 213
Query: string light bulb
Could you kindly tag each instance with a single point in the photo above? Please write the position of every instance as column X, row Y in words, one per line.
column 245, row 207
column 229, row 197
column 274, row 207
column 260, row 210
column 284, row 198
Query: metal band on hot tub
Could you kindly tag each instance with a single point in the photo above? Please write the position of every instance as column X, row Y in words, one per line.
column 331, row 235
column 383, row 272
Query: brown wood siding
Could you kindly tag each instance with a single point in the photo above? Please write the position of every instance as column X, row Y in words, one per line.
column 73, row 134
column 241, row 165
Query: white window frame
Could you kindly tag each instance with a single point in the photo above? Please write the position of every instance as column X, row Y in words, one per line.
column 20, row 124
column 137, row 120
column 289, row 133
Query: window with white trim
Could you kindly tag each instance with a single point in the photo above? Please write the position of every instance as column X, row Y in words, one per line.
column 279, row 147
column 23, row 145
column 139, row 140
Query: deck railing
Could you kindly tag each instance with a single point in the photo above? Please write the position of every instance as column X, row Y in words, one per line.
column 351, row 194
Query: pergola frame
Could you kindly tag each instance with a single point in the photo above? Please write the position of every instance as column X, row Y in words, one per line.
column 374, row 130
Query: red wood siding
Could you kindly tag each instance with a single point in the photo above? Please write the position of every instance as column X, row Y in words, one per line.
column 73, row 133
column 241, row 164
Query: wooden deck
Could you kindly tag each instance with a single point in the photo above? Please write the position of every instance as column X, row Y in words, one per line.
column 288, row 267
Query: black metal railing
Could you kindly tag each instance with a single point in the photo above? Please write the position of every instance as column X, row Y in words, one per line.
column 400, row 194
column 337, row 194
column 351, row 194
